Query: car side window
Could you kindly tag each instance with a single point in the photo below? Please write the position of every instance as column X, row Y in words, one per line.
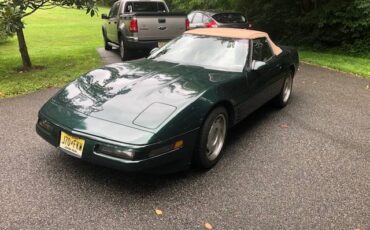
column 261, row 50
column 205, row 19
column 198, row 18
column 114, row 11
column 190, row 17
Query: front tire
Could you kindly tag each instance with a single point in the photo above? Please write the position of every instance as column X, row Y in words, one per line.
column 283, row 98
column 212, row 139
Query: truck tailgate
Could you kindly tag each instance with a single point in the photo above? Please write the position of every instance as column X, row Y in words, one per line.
column 160, row 26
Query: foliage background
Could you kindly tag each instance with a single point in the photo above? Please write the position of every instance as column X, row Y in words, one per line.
column 317, row 23
column 3, row 34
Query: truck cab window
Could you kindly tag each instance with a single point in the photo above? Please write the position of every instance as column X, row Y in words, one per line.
column 145, row 7
column 114, row 11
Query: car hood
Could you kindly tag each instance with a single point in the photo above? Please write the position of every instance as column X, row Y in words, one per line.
column 141, row 93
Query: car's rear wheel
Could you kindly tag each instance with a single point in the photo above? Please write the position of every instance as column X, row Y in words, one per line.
column 283, row 98
column 106, row 43
column 212, row 139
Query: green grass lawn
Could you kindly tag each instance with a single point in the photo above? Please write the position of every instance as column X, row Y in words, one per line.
column 359, row 65
column 64, row 41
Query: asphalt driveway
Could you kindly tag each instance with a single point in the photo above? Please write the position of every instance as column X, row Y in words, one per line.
column 304, row 167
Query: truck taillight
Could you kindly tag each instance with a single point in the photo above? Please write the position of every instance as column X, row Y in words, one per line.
column 134, row 27
column 211, row 24
column 187, row 24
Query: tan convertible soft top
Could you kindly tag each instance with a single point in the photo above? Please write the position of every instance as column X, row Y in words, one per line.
column 236, row 33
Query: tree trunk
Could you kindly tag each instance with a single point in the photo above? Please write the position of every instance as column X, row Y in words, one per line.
column 27, row 65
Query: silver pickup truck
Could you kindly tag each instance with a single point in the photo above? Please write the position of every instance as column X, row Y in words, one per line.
column 141, row 24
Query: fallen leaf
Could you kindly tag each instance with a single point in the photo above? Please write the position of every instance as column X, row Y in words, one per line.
column 368, row 87
column 284, row 126
column 208, row 226
column 2, row 94
column 158, row 212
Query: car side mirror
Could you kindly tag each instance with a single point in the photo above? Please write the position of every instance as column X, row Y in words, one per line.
column 257, row 64
column 154, row 50
column 104, row 16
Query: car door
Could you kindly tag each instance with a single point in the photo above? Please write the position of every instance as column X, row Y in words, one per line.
column 264, row 75
column 112, row 26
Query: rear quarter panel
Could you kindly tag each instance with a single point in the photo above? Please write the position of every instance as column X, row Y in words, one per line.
column 290, row 58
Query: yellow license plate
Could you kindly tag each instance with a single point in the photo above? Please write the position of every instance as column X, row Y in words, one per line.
column 72, row 144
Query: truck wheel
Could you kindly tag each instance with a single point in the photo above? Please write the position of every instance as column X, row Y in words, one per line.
column 106, row 44
column 212, row 139
column 124, row 52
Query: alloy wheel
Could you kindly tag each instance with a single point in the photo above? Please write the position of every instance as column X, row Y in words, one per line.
column 287, row 89
column 216, row 137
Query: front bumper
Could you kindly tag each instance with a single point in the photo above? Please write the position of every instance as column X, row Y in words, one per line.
column 168, row 162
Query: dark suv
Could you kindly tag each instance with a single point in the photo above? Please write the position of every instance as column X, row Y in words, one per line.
column 213, row 19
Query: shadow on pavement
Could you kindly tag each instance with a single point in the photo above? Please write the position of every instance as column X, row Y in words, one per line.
column 112, row 56
column 147, row 183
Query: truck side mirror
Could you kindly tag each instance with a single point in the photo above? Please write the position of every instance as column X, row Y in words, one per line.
column 104, row 16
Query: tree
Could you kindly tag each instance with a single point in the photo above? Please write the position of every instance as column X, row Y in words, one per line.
column 12, row 13
column 322, row 23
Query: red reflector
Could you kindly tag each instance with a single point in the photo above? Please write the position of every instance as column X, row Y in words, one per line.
column 211, row 24
column 187, row 24
column 134, row 27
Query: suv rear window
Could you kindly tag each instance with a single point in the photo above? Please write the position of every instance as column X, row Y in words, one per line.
column 145, row 7
column 229, row 18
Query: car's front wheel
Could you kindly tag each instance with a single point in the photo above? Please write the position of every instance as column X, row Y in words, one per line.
column 212, row 139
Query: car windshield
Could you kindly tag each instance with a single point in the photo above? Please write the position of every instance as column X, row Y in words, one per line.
column 215, row 53
column 145, row 7
column 229, row 18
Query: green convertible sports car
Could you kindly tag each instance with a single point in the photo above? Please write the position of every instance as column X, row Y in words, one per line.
column 172, row 109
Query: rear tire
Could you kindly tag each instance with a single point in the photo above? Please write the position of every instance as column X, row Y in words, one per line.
column 283, row 98
column 124, row 52
column 212, row 139
column 106, row 44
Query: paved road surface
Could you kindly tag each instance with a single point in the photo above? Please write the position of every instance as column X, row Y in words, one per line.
column 304, row 167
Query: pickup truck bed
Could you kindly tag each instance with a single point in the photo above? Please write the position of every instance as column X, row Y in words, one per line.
column 158, row 26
